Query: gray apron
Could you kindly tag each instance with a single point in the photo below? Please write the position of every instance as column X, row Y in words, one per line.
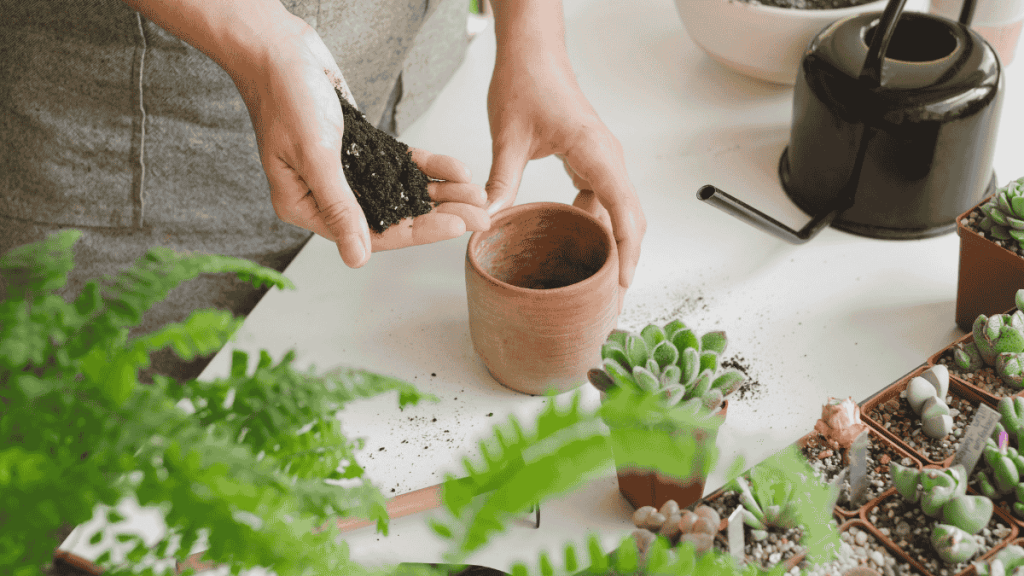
column 111, row 125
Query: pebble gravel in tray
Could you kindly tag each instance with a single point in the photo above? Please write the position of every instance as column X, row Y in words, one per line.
column 897, row 417
column 905, row 524
column 971, row 222
column 779, row 546
column 861, row 548
column 984, row 378
column 828, row 463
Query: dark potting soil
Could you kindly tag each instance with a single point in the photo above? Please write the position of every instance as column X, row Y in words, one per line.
column 388, row 185
column 984, row 378
column 828, row 463
column 779, row 546
column 751, row 387
column 810, row 4
column 971, row 223
column 898, row 417
column 906, row 525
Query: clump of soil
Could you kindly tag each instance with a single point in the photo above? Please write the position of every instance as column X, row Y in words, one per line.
column 810, row 4
column 388, row 185
column 751, row 387
column 896, row 416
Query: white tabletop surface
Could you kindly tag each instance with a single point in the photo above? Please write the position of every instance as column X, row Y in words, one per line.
column 839, row 316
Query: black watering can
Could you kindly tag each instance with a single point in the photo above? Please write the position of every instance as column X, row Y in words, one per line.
column 894, row 128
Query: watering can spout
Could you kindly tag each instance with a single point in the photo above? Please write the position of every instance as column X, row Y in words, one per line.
column 740, row 209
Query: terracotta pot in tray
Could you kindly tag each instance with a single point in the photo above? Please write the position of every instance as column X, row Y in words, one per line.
column 919, row 563
column 876, row 437
column 907, row 567
column 991, row 397
column 956, row 389
column 989, row 275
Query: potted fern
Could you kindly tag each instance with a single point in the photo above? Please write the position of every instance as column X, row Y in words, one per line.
column 78, row 430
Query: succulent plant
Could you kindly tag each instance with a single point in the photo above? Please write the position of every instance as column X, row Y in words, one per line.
column 942, row 494
column 999, row 343
column 1005, row 465
column 1004, row 213
column 697, row 526
column 1007, row 562
column 926, row 395
column 1011, row 411
column 840, row 423
column 764, row 509
column 671, row 358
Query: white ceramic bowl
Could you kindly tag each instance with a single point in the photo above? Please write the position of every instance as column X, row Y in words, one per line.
column 764, row 42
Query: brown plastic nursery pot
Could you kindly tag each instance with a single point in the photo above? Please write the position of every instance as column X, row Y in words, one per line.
column 644, row 487
column 998, row 515
column 989, row 396
column 77, row 562
column 989, row 275
column 956, row 389
column 876, row 437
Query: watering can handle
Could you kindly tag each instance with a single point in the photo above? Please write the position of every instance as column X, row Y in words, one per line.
column 871, row 72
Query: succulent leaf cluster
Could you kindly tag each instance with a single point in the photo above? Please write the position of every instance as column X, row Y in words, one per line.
column 767, row 503
column 998, row 342
column 670, row 358
column 1004, row 464
column 926, row 395
column 1004, row 213
column 942, row 494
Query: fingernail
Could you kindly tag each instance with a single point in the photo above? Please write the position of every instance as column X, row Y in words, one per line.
column 353, row 250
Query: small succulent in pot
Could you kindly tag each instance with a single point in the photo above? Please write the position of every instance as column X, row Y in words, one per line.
column 840, row 423
column 1005, row 465
column 1011, row 411
column 999, row 343
column 697, row 526
column 1004, row 213
column 926, row 395
column 765, row 509
column 942, row 494
column 672, row 358
column 1007, row 562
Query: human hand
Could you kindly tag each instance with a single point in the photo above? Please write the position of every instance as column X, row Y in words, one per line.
column 537, row 109
column 290, row 94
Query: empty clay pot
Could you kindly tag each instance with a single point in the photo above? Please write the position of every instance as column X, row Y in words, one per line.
column 542, row 288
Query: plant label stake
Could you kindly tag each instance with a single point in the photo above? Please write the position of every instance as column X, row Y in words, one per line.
column 735, row 529
column 973, row 442
column 859, row 468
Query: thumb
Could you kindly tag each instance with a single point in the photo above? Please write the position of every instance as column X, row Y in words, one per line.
column 337, row 209
column 506, row 172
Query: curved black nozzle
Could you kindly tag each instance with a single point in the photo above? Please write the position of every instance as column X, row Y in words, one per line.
column 754, row 217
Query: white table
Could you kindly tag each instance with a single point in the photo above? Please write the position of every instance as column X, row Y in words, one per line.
column 840, row 316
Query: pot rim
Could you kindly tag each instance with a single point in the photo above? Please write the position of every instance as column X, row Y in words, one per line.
column 808, row 13
column 586, row 284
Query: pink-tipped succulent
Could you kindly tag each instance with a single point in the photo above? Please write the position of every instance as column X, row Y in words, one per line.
column 840, row 422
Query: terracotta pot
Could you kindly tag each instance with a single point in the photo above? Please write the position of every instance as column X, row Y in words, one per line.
column 644, row 487
column 919, row 563
column 876, row 438
column 989, row 275
column 77, row 562
column 989, row 397
column 956, row 389
column 542, row 286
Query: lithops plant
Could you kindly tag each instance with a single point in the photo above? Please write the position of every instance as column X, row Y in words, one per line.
column 942, row 494
column 1004, row 213
column 671, row 358
column 998, row 342
column 1005, row 465
column 926, row 395
column 697, row 526
column 1007, row 562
